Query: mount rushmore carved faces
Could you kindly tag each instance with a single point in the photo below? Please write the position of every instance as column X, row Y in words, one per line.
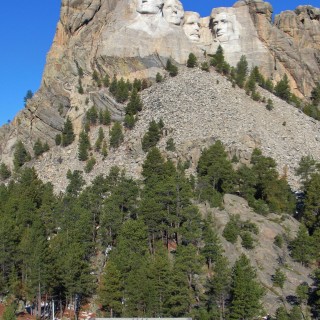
column 191, row 25
column 225, row 26
column 150, row 6
column 173, row 11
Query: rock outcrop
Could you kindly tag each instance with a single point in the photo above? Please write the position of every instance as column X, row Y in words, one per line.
column 134, row 39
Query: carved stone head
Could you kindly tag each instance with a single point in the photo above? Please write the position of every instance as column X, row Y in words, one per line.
column 150, row 6
column 191, row 25
column 173, row 11
column 224, row 26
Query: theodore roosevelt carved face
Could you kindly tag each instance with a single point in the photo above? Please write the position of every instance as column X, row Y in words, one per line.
column 150, row 6
column 173, row 11
column 191, row 25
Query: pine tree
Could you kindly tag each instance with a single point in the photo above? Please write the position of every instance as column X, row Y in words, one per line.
column 192, row 61
column 302, row 247
column 151, row 138
column 113, row 86
column 84, row 146
column 281, row 314
column 67, row 133
column 282, row 89
column 20, row 156
column 5, row 173
column 246, row 292
column 106, row 81
column 241, row 71
column 38, row 148
column 122, row 92
column 116, row 135
column 315, row 95
column 111, row 290
column 27, row 97
column 279, row 278
column 159, row 77
column 171, row 68
column 135, row 103
column 98, row 144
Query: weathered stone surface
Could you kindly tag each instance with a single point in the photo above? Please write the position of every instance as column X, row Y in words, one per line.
column 118, row 37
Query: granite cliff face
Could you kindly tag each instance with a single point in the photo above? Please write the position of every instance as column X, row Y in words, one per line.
column 134, row 39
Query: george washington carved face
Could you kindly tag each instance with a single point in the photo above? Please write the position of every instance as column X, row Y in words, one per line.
column 173, row 11
column 150, row 6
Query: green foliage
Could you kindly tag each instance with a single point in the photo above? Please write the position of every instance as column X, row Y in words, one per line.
column 5, row 173
column 20, row 155
column 89, row 165
column 80, row 87
column 67, row 136
column 241, row 71
column 113, row 86
column 116, row 135
column 269, row 85
column 312, row 111
column 246, row 292
column 98, row 144
column 311, row 212
column 159, row 77
column 92, row 115
column 219, row 62
column 129, row 121
column 104, row 150
column 279, row 278
column 84, row 146
column 171, row 68
column 215, row 174
column 278, row 241
column 281, row 314
column 135, row 104
column 122, row 91
column 170, row 145
column 137, row 84
column 192, row 60
column 96, row 78
column 58, row 139
column 247, row 241
column 269, row 105
column 232, row 230
column 106, row 81
column 9, row 312
column 315, row 95
column 76, row 182
column 205, row 66
column 151, row 137
column 302, row 292
column 282, row 89
column 39, row 148
column 110, row 293
column 301, row 246
column 27, row 97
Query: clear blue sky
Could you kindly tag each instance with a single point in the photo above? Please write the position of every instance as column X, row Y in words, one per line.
column 27, row 30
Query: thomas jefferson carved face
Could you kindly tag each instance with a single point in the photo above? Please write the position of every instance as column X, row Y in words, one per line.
column 173, row 11
column 191, row 25
column 150, row 6
column 223, row 27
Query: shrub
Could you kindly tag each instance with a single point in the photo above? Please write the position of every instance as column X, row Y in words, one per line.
column 89, row 165
column 170, row 146
column 247, row 240
column 20, row 156
column 129, row 121
column 171, row 68
column 279, row 278
column 4, row 172
column 278, row 241
column 205, row 66
column 67, row 133
column 269, row 105
column 58, row 139
column 192, row 61
column 231, row 230
column 116, row 135
column 159, row 77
